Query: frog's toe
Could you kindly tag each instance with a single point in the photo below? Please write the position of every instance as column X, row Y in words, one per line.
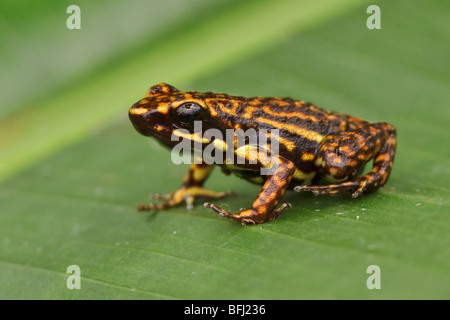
column 362, row 187
column 190, row 202
column 153, row 206
column 222, row 212
column 158, row 196
column 226, row 214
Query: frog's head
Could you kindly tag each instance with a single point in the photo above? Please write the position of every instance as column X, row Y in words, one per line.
column 164, row 110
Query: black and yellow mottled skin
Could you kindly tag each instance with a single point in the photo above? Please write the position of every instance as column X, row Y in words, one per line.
column 314, row 144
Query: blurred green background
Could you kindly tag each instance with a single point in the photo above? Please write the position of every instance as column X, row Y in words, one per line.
column 72, row 168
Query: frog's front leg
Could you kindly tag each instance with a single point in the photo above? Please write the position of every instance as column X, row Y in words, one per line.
column 341, row 154
column 263, row 208
column 192, row 188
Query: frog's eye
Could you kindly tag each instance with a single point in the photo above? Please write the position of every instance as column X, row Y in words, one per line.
column 187, row 113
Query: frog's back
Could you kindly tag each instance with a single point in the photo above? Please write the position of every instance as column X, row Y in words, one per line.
column 301, row 125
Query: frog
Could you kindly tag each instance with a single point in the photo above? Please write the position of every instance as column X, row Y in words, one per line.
column 318, row 151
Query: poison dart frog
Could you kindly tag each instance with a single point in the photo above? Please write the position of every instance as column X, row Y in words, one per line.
column 314, row 145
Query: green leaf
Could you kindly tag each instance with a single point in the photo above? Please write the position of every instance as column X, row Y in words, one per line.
column 73, row 168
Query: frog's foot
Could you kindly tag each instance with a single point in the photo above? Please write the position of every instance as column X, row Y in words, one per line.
column 356, row 187
column 345, row 187
column 186, row 194
column 249, row 216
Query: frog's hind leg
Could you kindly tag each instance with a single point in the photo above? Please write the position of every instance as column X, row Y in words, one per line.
column 341, row 154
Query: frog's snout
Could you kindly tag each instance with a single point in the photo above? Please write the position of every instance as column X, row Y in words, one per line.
column 140, row 107
column 146, row 118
